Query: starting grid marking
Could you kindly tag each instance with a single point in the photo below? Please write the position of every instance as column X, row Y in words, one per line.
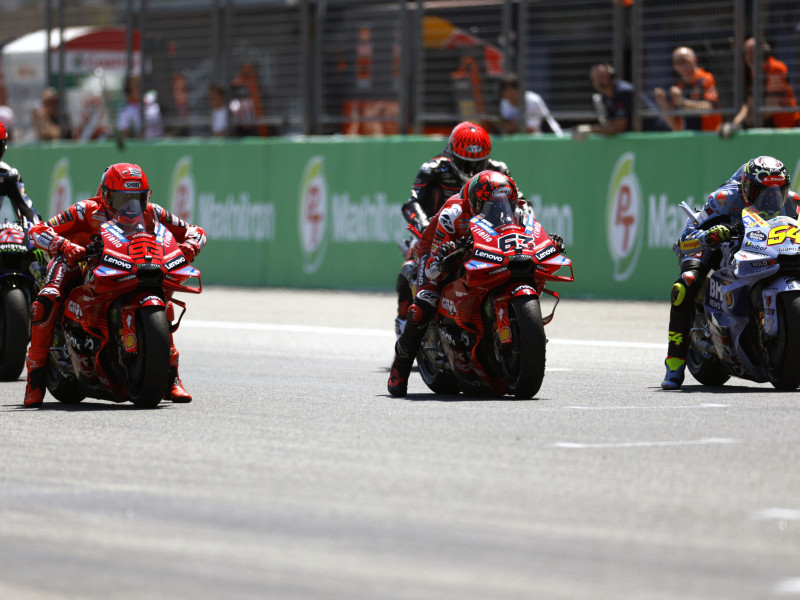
column 653, row 407
column 644, row 444
column 323, row 330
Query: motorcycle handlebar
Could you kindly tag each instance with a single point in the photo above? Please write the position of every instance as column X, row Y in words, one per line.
column 95, row 247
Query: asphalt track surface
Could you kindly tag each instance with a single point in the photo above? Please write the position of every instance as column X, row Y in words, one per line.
column 293, row 475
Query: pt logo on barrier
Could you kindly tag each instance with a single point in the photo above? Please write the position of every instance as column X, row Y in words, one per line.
column 182, row 190
column 625, row 218
column 60, row 187
column 313, row 217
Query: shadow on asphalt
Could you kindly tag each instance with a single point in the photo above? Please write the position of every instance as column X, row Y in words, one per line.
column 83, row 406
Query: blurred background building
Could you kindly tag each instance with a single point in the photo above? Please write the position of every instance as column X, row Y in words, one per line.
column 292, row 67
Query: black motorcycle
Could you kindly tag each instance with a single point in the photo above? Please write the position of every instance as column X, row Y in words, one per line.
column 21, row 274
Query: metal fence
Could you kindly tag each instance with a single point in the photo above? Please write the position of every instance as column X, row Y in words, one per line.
column 391, row 66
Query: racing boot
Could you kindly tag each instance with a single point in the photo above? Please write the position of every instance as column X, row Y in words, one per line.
column 401, row 369
column 673, row 380
column 34, row 391
column 43, row 319
column 406, row 348
column 176, row 392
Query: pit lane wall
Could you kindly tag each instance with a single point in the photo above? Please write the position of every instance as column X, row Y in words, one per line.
column 325, row 212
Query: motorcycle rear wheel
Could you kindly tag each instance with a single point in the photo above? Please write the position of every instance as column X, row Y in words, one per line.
column 522, row 361
column 783, row 353
column 14, row 333
column 148, row 371
column 706, row 370
column 438, row 380
column 64, row 388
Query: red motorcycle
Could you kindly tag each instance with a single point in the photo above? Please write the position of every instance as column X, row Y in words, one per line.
column 488, row 334
column 112, row 340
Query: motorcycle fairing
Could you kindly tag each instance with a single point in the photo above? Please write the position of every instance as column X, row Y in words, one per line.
column 109, row 293
column 128, row 316
column 769, row 298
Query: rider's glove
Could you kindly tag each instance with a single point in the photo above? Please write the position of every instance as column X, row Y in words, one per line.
column 716, row 236
column 190, row 248
column 444, row 250
column 558, row 241
column 72, row 252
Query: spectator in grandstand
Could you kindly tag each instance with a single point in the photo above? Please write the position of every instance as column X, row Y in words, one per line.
column 536, row 110
column 696, row 91
column 46, row 118
column 616, row 97
column 129, row 118
column 93, row 124
column 777, row 92
column 219, row 110
column 7, row 119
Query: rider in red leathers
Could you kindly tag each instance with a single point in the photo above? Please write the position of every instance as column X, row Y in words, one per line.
column 466, row 153
column 65, row 237
column 449, row 225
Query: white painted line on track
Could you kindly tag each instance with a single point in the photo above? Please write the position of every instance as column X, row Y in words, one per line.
column 323, row 330
column 788, row 587
column 606, row 344
column 645, row 444
column 289, row 328
column 776, row 514
column 651, row 407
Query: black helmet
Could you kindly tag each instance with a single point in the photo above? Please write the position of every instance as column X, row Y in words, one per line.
column 765, row 184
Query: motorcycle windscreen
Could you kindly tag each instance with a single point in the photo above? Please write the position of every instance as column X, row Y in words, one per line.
column 130, row 214
column 498, row 212
column 769, row 201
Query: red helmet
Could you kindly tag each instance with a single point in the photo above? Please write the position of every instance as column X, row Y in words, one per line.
column 468, row 149
column 123, row 182
column 492, row 187
column 3, row 140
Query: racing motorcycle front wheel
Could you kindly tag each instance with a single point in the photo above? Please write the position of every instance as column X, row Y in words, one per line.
column 783, row 349
column 522, row 360
column 147, row 371
column 14, row 332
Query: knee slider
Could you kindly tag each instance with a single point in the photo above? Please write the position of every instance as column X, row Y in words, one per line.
column 427, row 298
column 40, row 310
column 415, row 313
column 678, row 293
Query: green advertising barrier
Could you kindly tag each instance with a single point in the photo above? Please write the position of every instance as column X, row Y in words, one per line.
column 325, row 212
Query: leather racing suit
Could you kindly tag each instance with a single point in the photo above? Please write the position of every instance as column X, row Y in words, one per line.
column 12, row 187
column 76, row 225
column 437, row 181
column 723, row 207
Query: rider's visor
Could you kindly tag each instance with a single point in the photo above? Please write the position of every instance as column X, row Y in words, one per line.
column 770, row 199
column 119, row 199
column 498, row 212
column 469, row 167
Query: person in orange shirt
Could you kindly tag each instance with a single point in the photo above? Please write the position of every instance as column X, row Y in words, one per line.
column 777, row 92
column 696, row 91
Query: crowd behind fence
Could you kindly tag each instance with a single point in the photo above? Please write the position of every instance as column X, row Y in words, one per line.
column 384, row 66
